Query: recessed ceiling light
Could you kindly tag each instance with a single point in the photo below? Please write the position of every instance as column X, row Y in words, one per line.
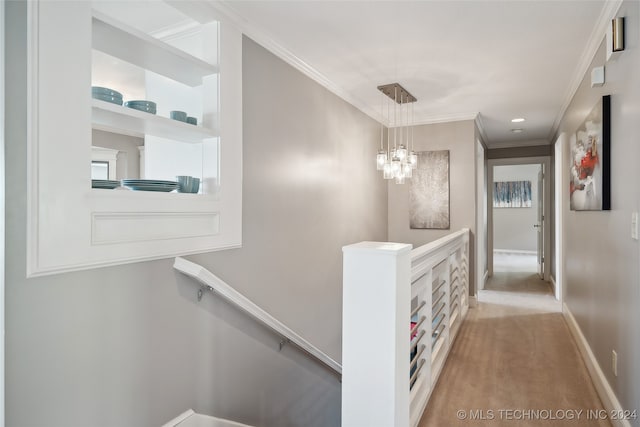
column 518, row 130
column 517, row 120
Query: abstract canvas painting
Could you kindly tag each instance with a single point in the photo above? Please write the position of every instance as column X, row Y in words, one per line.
column 429, row 191
column 512, row 194
column 590, row 177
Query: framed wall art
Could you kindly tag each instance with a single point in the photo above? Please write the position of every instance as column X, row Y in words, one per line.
column 590, row 160
column 512, row 194
column 429, row 191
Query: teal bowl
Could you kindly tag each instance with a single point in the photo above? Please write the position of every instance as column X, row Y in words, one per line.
column 107, row 98
column 146, row 106
column 195, row 185
column 180, row 116
column 188, row 184
column 105, row 91
column 192, row 120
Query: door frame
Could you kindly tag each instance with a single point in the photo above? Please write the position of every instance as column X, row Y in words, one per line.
column 561, row 202
column 2, row 209
column 546, row 227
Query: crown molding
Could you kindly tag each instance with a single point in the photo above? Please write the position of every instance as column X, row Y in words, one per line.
column 609, row 11
column 445, row 118
column 482, row 131
column 520, row 143
column 269, row 43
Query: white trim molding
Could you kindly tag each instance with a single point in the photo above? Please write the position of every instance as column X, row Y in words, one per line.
column 2, row 209
column 544, row 160
column 606, row 393
column 473, row 301
column 514, row 252
column 609, row 11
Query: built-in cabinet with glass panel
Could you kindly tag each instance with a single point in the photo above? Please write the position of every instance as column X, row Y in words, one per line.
column 135, row 133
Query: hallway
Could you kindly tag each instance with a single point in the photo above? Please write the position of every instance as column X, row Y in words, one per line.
column 514, row 367
column 515, row 282
column 514, row 272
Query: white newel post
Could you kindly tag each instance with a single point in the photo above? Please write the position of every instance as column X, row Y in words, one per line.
column 375, row 334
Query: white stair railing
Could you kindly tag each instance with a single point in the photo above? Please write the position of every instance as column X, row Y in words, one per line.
column 213, row 283
column 402, row 310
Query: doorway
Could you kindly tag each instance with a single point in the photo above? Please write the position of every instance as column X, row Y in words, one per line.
column 518, row 250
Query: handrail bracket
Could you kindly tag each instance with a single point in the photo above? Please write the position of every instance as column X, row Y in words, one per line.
column 201, row 291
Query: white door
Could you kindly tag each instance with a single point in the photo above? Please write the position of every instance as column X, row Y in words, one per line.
column 540, row 224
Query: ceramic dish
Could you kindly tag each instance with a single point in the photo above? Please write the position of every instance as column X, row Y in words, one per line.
column 108, row 98
column 146, row 106
column 150, row 185
column 180, row 116
column 188, row 184
column 98, row 90
column 159, row 188
column 148, row 181
column 104, row 184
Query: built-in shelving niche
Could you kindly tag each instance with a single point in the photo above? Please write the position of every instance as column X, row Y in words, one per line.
column 71, row 225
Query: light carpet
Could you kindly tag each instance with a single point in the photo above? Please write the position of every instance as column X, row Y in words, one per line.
column 513, row 367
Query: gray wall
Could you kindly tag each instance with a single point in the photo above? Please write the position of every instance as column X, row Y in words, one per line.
column 131, row 346
column 513, row 227
column 602, row 286
column 459, row 138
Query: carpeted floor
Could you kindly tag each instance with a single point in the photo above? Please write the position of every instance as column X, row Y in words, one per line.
column 525, row 282
column 513, row 367
column 513, row 272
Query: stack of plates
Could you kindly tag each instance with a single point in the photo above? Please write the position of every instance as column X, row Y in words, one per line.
column 146, row 106
column 104, row 184
column 150, row 185
column 106, row 94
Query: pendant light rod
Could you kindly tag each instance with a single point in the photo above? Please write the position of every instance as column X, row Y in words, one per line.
column 399, row 160
column 395, row 119
column 397, row 93
column 381, row 125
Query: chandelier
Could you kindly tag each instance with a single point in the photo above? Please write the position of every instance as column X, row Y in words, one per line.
column 398, row 159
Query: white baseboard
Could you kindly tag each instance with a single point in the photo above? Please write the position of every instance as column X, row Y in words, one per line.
column 552, row 280
column 607, row 396
column 473, row 301
column 514, row 252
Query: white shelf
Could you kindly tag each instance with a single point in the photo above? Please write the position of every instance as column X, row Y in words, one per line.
column 123, row 120
column 138, row 48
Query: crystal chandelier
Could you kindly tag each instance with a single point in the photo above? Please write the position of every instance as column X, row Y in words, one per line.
column 398, row 159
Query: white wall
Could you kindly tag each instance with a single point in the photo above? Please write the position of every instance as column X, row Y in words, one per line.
column 131, row 345
column 513, row 227
column 602, row 277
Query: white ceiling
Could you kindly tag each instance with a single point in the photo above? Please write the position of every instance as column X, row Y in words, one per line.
column 499, row 59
